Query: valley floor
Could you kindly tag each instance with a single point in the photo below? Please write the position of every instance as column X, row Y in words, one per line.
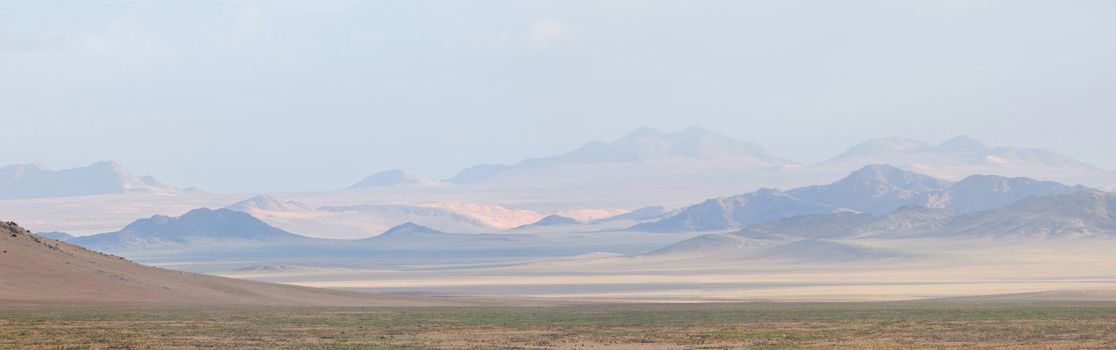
column 941, row 269
column 895, row 325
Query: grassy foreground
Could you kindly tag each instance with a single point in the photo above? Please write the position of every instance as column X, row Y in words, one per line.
column 749, row 326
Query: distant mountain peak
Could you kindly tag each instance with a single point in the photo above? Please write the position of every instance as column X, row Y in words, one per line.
column 109, row 164
column 893, row 176
column 735, row 212
column 36, row 181
column 205, row 216
column 644, row 145
column 877, row 170
column 408, row 229
column 210, row 226
column 692, row 142
column 268, row 203
column 766, row 192
column 642, row 132
column 25, row 167
column 395, row 177
column 961, row 156
column 56, row 235
column 645, row 213
column 882, row 146
column 550, row 220
column 875, row 189
column 555, row 219
column 962, row 144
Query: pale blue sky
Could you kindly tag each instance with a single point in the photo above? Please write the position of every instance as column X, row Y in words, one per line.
column 310, row 95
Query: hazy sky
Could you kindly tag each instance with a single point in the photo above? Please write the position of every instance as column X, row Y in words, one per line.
column 307, row 95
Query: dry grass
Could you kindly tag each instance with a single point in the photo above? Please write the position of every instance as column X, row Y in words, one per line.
column 749, row 326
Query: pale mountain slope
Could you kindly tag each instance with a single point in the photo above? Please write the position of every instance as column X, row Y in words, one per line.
column 489, row 214
column 961, row 150
column 294, row 216
column 589, row 215
column 963, row 156
column 883, row 146
column 37, row 181
column 374, row 219
column 641, row 214
column 644, row 145
column 367, row 220
column 260, row 204
column 396, row 177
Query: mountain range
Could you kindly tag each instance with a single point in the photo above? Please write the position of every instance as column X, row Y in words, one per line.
column 735, row 212
column 962, row 155
column 1083, row 214
column 202, row 230
column 37, row 181
column 767, row 224
column 873, row 190
column 835, row 237
column 199, row 227
column 1088, row 213
column 873, row 199
column 959, row 155
column 641, row 146
column 684, row 165
column 223, row 233
column 355, row 221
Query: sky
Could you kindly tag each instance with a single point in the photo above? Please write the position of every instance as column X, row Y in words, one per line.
column 259, row 96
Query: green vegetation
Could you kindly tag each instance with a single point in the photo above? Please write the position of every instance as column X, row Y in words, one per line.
column 754, row 326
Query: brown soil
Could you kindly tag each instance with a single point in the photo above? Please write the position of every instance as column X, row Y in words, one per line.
column 36, row 271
